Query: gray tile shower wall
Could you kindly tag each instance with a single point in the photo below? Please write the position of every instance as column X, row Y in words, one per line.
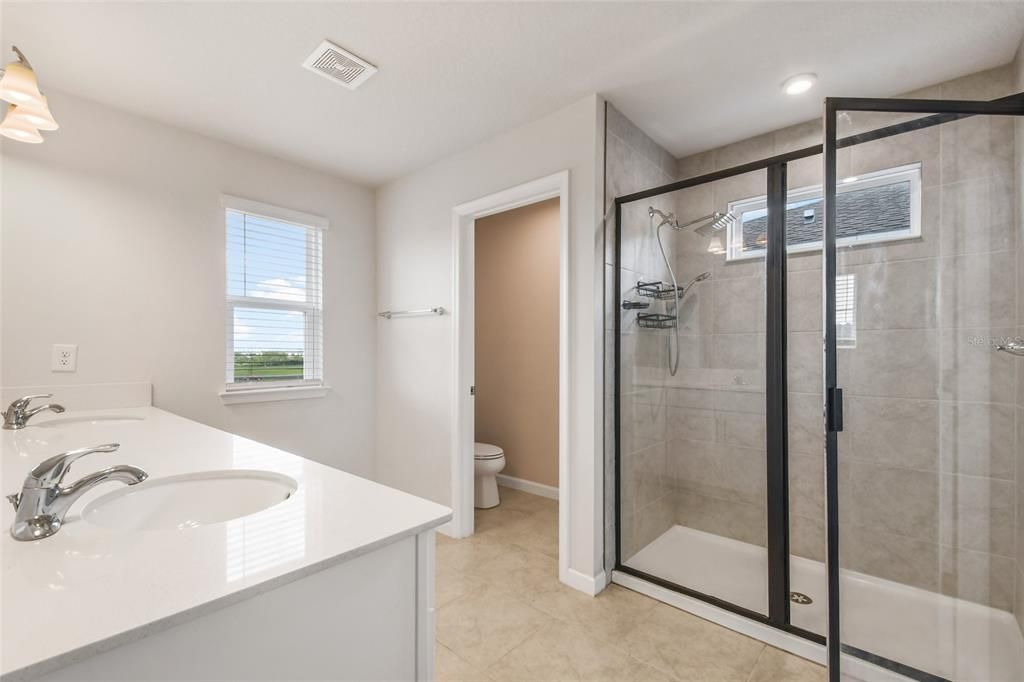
column 633, row 161
column 929, row 490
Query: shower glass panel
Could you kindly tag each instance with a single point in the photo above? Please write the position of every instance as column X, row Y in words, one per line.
column 923, row 264
column 692, row 443
column 806, row 466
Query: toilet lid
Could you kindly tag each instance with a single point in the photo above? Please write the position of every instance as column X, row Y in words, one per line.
column 486, row 451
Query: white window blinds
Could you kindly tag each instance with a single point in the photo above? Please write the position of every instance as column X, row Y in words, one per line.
column 274, row 320
column 846, row 311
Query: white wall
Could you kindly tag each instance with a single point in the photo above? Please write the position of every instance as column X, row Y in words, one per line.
column 113, row 239
column 414, row 269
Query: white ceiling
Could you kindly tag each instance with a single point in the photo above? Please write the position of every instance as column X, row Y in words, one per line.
column 694, row 75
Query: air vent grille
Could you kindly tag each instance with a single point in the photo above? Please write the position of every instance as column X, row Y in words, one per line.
column 340, row 65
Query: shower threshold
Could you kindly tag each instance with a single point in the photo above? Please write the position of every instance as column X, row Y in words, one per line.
column 945, row 636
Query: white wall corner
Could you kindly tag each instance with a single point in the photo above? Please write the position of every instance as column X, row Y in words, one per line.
column 592, row 585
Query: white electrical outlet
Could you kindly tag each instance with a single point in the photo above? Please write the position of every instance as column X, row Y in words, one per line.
column 64, row 357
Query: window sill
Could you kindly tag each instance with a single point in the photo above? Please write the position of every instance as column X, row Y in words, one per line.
column 265, row 395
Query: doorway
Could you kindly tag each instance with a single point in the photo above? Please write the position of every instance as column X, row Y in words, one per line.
column 465, row 217
column 516, row 351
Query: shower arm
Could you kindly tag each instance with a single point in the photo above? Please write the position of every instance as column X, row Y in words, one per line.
column 711, row 218
column 671, row 220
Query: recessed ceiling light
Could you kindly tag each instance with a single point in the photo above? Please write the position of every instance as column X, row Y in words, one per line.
column 799, row 84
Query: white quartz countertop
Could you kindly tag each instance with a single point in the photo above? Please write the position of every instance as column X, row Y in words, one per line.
column 90, row 588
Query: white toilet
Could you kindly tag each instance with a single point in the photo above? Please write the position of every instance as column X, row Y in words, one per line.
column 489, row 461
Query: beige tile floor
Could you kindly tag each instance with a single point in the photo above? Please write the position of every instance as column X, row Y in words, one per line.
column 503, row 615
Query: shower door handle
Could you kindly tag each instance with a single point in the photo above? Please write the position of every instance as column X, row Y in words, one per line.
column 1012, row 347
column 834, row 409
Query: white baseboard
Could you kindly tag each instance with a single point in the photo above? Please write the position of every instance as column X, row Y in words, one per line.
column 548, row 491
column 591, row 585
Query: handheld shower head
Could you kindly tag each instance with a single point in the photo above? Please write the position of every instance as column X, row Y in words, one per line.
column 681, row 291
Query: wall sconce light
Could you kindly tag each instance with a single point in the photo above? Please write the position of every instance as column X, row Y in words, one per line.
column 28, row 111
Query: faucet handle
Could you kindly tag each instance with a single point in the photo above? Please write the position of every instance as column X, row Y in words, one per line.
column 51, row 471
column 22, row 402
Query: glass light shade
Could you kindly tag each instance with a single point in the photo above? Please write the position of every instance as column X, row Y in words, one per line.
column 19, row 129
column 38, row 117
column 19, row 85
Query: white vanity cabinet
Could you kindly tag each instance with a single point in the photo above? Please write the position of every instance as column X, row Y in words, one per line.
column 335, row 582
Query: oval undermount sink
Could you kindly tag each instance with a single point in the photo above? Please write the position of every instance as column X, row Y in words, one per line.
column 189, row 500
column 67, row 421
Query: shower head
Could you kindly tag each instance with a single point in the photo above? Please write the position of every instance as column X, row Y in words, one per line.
column 703, row 226
column 714, row 222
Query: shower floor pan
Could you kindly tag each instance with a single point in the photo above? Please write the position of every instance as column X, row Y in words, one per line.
column 945, row 636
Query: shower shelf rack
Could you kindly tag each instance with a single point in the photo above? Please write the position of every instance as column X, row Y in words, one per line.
column 659, row 290
column 655, row 321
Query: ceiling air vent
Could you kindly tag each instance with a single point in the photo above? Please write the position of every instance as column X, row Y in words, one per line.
column 340, row 65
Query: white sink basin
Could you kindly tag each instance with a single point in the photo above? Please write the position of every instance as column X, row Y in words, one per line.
column 189, row 500
column 67, row 421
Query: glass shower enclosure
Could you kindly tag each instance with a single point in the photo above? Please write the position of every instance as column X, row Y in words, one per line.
column 819, row 390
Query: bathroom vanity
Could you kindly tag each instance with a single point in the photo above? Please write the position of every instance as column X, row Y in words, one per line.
column 233, row 560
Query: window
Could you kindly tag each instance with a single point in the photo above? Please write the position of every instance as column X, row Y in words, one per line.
column 274, row 302
column 875, row 207
column 846, row 311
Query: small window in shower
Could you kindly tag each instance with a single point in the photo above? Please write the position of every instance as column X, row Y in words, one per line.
column 875, row 207
column 846, row 311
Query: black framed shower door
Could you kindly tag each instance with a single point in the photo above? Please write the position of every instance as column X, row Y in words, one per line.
column 909, row 116
column 777, row 613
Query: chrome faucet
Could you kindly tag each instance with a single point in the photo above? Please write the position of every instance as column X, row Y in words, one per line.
column 43, row 502
column 17, row 414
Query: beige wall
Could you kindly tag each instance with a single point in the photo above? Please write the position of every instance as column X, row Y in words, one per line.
column 517, row 338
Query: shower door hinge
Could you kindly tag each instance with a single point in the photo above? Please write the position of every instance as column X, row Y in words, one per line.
column 834, row 409
column 472, row 390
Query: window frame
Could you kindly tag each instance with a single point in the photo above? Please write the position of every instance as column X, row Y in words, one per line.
column 911, row 171
column 310, row 385
column 844, row 338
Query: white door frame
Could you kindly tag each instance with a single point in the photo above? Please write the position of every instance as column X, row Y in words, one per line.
column 464, row 217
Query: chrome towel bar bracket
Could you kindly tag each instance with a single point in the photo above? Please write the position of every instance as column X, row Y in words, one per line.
column 388, row 314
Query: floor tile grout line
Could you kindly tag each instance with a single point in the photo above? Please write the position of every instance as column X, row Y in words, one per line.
column 757, row 661
column 529, row 599
column 521, row 643
column 470, row 665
